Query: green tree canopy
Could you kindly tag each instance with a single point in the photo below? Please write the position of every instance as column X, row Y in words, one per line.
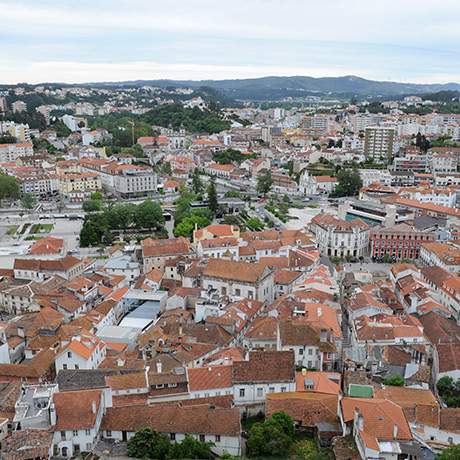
column 349, row 183
column 394, row 380
column 92, row 205
column 212, row 197
column 197, row 184
column 28, row 201
column 187, row 225
column 271, row 438
column 9, row 187
column 451, row 453
column 449, row 391
column 149, row 215
column 264, row 183
column 147, row 443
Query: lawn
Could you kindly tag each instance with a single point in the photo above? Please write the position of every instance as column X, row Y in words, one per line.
column 12, row 230
column 41, row 228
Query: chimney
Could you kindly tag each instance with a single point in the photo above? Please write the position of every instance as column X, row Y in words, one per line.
column 395, row 431
column 159, row 367
column 93, row 407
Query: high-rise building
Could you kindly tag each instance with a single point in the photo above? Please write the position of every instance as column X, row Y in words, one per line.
column 3, row 104
column 379, row 142
column 19, row 106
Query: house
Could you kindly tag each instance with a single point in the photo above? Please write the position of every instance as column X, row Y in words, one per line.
column 240, row 279
column 312, row 411
column 216, row 231
column 123, row 266
column 76, row 418
column 221, row 426
column 155, row 253
column 205, row 382
column 39, row 269
column 49, row 246
column 27, row 444
column 379, row 428
column 312, row 348
column 261, row 373
column 84, row 351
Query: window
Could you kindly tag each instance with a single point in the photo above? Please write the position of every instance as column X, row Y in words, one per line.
column 310, row 351
column 77, row 366
column 450, row 440
column 69, row 354
column 283, row 389
column 87, row 432
column 161, row 385
column 241, row 392
column 64, row 366
column 75, row 432
column 62, row 434
column 202, row 438
column 271, row 390
column 172, row 436
column 217, row 437
column 260, row 392
column 300, row 351
column 108, row 433
column 89, row 446
column 238, row 292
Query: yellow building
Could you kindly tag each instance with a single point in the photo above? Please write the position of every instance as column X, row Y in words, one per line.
column 79, row 186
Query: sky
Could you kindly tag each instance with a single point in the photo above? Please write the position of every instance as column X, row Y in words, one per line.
column 114, row 40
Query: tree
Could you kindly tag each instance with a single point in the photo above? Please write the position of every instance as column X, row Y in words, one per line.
column 9, row 187
column 349, row 183
column 28, row 201
column 149, row 215
column 197, row 184
column 264, row 183
column 190, row 447
column 451, row 453
column 147, row 443
column 271, row 438
column 254, row 223
column 187, row 225
column 88, row 234
column 394, row 380
column 212, row 197
column 166, row 168
column 92, row 206
column 449, row 391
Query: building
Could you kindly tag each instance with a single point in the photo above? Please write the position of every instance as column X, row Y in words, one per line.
column 402, row 241
column 239, row 279
column 379, row 428
column 81, row 352
column 379, row 143
column 444, row 255
column 79, row 186
column 221, row 426
column 76, row 418
column 18, row 106
column 262, row 373
column 340, row 238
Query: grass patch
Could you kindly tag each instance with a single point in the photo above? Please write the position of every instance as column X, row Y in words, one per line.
column 33, row 238
column 41, row 228
column 313, row 206
column 12, row 230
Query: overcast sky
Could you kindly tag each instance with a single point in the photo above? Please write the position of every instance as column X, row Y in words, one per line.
column 102, row 40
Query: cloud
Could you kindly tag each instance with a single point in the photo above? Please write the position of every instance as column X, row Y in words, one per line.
column 410, row 40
